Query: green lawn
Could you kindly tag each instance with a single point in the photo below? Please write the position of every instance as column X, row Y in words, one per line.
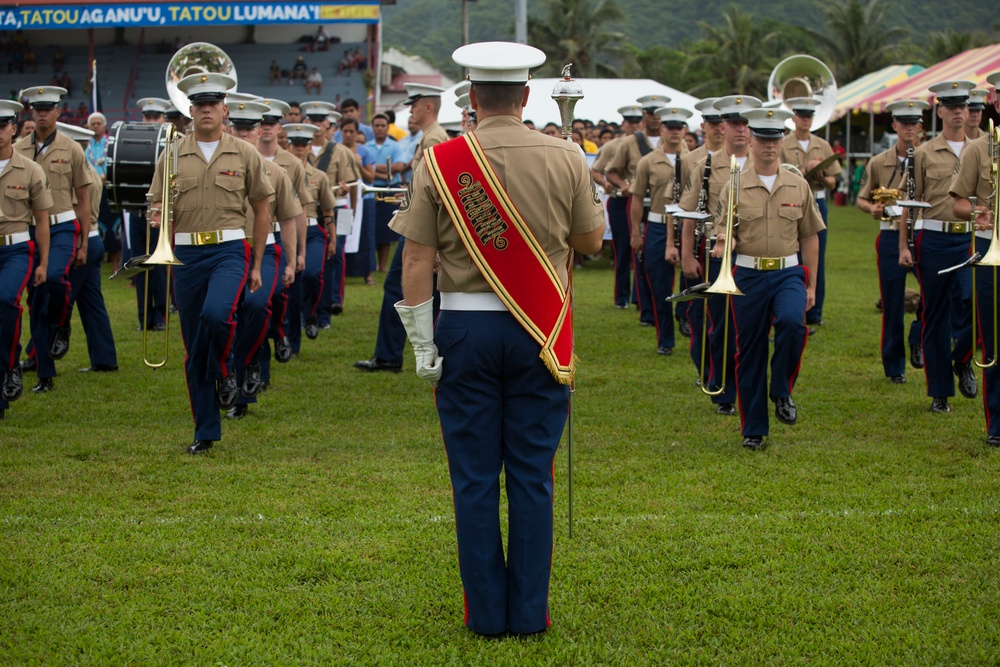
column 320, row 530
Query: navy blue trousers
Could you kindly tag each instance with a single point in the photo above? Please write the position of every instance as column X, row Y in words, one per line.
column 253, row 319
column 771, row 298
column 500, row 409
column 152, row 307
column 622, row 247
column 892, row 290
column 642, row 292
column 658, row 275
column 314, row 276
column 85, row 292
column 715, row 330
column 936, row 251
column 209, row 286
column 333, row 282
column 986, row 295
column 48, row 305
column 16, row 266
column 391, row 337
column 815, row 314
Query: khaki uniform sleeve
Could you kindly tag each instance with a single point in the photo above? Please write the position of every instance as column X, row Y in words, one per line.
column 868, row 181
column 286, row 204
column 417, row 215
column 605, row 155
column 812, row 221
column 38, row 188
column 588, row 213
column 692, row 187
column 156, row 187
column 640, row 185
column 297, row 175
column 619, row 162
column 258, row 186
column 966, row 179
column 81, row 173
column 96, row 192
column 327, row 200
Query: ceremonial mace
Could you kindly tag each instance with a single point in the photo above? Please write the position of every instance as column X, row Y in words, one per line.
column 566, row 94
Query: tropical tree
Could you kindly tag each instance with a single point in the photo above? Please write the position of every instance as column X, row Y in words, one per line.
column 858, row 37
column 576, row 31
column 944, row 45
column 742, row 59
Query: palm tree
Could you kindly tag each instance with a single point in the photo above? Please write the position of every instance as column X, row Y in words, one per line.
column 575, row 31
column 742, row 58
column 949, row 43
column 858, row 38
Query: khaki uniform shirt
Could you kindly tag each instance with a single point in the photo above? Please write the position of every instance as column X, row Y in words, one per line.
column 23, row 190
column 654, row 175
column 343, row 168
column 627, row 156
column 688, row 164
column 973, row 175
column 320, row 193
column 284, row 204
column 935, row 165
column 718, row 178
column 64, row 165
column 607, row 153
column 885, row 170
column 817, row 149
column 212, row 195
column 432, row 136
column 771, row 223
column 296, row 171
column 96, row 189
column 547, row 179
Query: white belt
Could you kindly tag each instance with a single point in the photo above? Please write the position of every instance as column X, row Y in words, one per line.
column 948, row 226
column 471, row 301
column 270, row 239
column 14, row 239
column 819, row 194
column 343, row 202
column 655, row 217
column 209, row 238
column 985, row 234
column 767, row 263
column 889, row 225
column 93, row 233
column 59, row 218
column 311, row 222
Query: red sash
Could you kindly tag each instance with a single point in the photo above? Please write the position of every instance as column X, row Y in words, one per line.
column 506, row 252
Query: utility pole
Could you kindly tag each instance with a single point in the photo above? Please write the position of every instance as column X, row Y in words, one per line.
column 521, row 21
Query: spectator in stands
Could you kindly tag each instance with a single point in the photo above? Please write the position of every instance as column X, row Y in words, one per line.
column 589, row 147
column 299, row 70
column 578, row 138
column 346, row 63
column 27, row 127
column 314, row 82
column 395, row 131
column 274, row 74
column 294, row 113
column 66, row 83
column 30, row 60
column 16, row 62
column 408, row 147
column 605, row 136
column 81, row 114
column 349, row 108
column 359, row 60
column 282, row 138
column 58, row 59
column 322, row 40
column 361, row 263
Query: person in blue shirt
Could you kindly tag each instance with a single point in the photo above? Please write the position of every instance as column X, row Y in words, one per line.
column 362, row 263
column 388, row 162
column 350, row 108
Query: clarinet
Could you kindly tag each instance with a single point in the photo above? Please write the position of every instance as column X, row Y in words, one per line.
column 911, row 188
column 703, row 198
column 677, row 198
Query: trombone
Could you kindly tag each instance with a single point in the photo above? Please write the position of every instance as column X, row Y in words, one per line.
column 992, row 256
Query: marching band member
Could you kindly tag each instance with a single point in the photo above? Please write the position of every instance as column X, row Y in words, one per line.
column 977, row 105
column 778, row 218
column 805, row 150
column 65, row 167
column 254, row 313
column 152, row 303
column 216, row 174
column 657, row 174
column 888, row 171
column 26, row 201
column 736, row 142
column 942, row 243
column 973, row 179
column 501, row 406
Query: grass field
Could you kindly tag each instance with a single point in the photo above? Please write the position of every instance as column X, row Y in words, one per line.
column 320, row 530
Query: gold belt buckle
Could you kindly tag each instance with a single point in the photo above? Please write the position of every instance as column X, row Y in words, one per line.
column 206, row 238
column 6, row 240
column 956, row 227
column 768, row 263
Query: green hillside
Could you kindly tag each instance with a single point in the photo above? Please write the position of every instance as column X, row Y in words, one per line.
column 432, row 28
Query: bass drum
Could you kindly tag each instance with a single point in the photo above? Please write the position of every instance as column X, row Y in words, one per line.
column 133, row 149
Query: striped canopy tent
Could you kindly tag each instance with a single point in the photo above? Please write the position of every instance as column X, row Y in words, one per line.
column 973, row 65
column 851, row 95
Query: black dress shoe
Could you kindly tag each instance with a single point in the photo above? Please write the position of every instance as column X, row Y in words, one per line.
column 726, row 409
column 376, row 364
column 684, row 328
column 966, row 380
column 159, row 326
column 646, row 324
column 3, row 415
column 784, row 410
column 754, row 442
column 29, row 364
column 12, row 385
column 336, row 309
column 993, row 441
column 100, row 368
column 898, row 379
column 665, row 351
column 878, row 305
column 282, row 350
column 811, row 330
column 312, row 328
column 43, row 386
column 60, row 343
column 940, row 405
column 236, row 412
column 917, row 356
column 226, row 392
column 251, row 380
column 200, row 446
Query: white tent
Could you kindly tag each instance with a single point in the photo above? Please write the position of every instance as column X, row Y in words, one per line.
column 601, row 100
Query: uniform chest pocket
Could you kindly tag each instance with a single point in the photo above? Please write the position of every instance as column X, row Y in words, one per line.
column 752, row 226
column 230, row 193
column 187, row 195
column 790, row 216
column 15, row 205
column 60, row 175
column 937, row 174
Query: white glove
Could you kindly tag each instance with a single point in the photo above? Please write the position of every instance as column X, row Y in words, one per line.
column 419, row 324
